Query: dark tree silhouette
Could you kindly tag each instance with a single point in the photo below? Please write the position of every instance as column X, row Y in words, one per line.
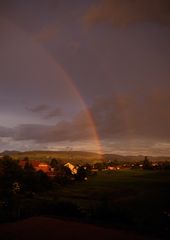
column 81, row 173
column 147, row 164
column 54, row 162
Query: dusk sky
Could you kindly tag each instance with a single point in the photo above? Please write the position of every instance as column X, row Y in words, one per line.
column 85, row 74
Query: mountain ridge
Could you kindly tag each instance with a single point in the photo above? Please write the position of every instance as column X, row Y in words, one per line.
column 79, row 156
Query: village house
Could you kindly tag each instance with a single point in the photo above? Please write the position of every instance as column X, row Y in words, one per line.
column 38, row 166
column 71, row 167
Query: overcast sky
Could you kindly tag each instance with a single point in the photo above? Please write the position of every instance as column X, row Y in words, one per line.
column 67, row 66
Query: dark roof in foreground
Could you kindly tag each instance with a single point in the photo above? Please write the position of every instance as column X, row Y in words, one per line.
column 51, row 229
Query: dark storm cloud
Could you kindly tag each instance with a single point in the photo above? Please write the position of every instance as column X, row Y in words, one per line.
column 57, row 112
column 41, row 18
column 130, row 123
column 134, row 115
column 46, row 111
column 124, row 12
column 63, row 131
column 39, row 108
column 132, row 62
column 76, row 129
column 6, row 4
column 116, row 117
column 6, row 132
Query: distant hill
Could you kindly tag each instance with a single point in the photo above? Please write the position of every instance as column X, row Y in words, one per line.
column 78, row 157
column 64, row 156
column 114, row 157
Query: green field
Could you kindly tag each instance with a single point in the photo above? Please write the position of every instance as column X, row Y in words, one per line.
column 135, row 199
column 79, row 157
column 76, row 157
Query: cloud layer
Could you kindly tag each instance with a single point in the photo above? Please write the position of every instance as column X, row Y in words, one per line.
column 125, row 12
column 135, row 115
column 49, row 64
column 77, row 129
column 128, row 123
column 46, row 111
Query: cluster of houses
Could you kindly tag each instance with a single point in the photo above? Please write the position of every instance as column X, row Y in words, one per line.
column 45, row 167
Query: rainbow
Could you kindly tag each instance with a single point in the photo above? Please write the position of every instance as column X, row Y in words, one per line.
column 69, row 82
column 89, row 117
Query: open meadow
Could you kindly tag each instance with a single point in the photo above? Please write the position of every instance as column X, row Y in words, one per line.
column 135, row 199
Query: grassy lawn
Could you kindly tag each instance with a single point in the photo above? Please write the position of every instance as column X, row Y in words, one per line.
column 134, row 198
column 121, row 184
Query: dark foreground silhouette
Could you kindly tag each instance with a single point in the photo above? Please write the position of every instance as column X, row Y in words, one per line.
column 48, row 228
